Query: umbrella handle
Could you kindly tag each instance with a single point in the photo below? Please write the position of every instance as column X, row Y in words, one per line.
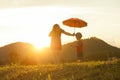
column 74, row 29
column 74, row 26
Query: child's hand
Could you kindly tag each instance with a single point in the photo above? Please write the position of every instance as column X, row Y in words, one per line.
column 71, row 45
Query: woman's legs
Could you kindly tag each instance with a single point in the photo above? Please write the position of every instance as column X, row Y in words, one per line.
column 57, row 56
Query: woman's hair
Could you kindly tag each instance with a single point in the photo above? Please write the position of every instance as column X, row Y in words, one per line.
column 78, row 35
column 55, row 27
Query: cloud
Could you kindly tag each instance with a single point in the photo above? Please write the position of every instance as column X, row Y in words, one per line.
column 23, row 3
column 81, row 3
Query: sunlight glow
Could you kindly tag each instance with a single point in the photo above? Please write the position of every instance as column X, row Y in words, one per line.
column 32, row 24
column 42, row 43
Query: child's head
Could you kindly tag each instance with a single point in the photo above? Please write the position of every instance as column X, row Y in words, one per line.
column 78, row 35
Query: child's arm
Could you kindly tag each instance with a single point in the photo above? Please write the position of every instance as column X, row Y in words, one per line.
column 74, row 45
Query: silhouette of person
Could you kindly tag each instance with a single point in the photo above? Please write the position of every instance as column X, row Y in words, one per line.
column 55, row 45
column 79, row 46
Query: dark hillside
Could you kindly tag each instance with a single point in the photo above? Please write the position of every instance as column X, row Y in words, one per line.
column 15, row 52
column 25, row 53
column 94, row 49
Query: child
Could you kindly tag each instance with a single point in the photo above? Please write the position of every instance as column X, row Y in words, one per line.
column 79, row 46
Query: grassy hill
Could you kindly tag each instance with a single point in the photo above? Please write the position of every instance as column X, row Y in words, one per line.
column 25, row 53
column 102, row 62
column 92, row 70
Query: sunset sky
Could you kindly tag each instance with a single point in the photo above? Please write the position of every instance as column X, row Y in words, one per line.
column 32, row 20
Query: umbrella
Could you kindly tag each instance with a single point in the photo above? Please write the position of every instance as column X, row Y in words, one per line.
column 75, row 22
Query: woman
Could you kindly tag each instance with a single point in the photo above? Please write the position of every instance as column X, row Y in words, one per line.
column 56, row 46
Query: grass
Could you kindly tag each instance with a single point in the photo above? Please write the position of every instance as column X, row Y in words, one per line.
column 93, row 70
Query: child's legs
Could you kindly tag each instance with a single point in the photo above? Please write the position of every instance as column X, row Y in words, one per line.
column 80, row 56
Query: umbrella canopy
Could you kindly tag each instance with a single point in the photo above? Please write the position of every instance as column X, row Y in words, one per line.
column 75, row 22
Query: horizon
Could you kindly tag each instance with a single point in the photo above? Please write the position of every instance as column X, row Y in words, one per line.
column 40, row 48
column 31, row 21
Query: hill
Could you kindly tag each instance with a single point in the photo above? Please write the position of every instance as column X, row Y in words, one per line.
column 15, row 52
column 25, row 53
column 94, row 49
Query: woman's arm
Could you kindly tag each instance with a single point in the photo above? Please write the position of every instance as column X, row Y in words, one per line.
column 69, row 34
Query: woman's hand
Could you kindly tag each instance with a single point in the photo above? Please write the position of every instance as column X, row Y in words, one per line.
column 73, row 34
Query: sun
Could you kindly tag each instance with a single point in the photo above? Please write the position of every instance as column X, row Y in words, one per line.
column 41, row 43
